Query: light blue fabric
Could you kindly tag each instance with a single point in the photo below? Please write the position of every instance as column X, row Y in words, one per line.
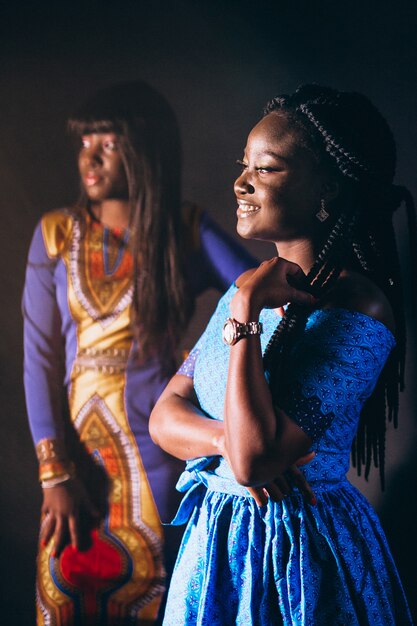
column 289, row 563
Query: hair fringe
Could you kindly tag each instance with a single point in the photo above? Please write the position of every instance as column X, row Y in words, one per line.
column 151, row 153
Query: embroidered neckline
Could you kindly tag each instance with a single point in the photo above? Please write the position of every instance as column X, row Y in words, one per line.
column 98, row 288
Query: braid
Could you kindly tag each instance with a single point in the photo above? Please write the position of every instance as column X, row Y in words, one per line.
column 322, row 276
column 347, row 163
column 327, row 115
column 349, row 136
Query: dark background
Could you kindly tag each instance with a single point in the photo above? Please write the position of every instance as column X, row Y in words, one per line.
column 217, row 63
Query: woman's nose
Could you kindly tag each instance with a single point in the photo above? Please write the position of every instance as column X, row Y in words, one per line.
column 92, row 154
column 242, row 185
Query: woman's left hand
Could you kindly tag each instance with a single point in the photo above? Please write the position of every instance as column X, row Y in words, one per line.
column 280, row 487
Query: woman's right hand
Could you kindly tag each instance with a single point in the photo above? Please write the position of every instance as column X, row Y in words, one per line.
column 69, row 516
column 272, row 285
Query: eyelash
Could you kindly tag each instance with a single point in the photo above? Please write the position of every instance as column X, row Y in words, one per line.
column 109, row 146
column 258, row 169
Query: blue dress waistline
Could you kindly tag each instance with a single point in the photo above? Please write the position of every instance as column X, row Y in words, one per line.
column 196, row 480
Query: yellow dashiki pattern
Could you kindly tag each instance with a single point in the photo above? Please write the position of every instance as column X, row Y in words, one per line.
column 121, row 575
column 77, row 307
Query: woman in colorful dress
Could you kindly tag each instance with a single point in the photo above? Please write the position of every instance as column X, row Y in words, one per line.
column 110, row 287
column 312, row 357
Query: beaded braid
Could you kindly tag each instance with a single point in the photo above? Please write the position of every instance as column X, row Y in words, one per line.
column 330, row 122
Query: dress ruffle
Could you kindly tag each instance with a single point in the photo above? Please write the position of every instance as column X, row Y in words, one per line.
column 320, row 565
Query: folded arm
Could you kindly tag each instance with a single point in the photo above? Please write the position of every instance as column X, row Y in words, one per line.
column 261, row 441
column 180, row 427
column 178, row 424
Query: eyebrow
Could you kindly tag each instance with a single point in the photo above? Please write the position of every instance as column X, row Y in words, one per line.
column 275, row 155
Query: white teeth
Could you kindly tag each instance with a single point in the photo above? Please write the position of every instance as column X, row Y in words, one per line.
column 246, row 209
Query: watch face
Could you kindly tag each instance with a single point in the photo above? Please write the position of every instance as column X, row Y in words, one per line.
column 229, row 333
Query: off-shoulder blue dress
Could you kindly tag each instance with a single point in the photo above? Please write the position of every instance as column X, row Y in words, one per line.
column 289, row 562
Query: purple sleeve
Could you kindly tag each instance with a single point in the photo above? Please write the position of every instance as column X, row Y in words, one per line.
column 43, row 343
column 223, row 259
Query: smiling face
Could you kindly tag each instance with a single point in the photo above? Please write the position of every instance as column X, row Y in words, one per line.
column 101, row 168
column 281, row 185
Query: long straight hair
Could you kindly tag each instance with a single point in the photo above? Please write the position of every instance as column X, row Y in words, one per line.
column 151, row 153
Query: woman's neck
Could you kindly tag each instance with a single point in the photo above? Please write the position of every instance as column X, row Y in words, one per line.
column 300, row 251
column 112, row 213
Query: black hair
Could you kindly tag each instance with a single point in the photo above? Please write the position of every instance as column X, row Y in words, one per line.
column 151, row 152
column 348, row 135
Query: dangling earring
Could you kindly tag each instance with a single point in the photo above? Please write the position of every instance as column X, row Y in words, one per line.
column 322, row 215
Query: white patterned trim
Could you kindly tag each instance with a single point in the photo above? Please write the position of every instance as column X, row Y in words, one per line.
column 45, row 613
column 114, row 428
column 75, row 277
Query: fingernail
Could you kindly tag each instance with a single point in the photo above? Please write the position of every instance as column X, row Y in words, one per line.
column 313, row 500
column 53, row 554
column 44, row 543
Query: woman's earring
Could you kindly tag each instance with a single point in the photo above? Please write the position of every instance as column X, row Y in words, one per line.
column 322, row 215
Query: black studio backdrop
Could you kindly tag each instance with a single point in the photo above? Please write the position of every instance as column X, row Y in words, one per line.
column 217, row 63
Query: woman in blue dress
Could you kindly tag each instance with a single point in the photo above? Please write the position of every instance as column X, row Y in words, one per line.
column 304, row 353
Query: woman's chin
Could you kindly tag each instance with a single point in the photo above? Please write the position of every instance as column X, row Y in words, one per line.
column 244, row 229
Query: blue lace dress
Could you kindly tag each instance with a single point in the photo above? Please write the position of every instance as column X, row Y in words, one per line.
column 289, row 563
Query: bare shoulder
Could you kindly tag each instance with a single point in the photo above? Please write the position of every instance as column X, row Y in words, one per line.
column 357, row 293
column 245, row 276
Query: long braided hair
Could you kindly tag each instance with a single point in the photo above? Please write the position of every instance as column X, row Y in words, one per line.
column 348, row 136
column 151, row 153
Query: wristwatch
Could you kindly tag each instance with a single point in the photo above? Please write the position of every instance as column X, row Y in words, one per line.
column 234, row 330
